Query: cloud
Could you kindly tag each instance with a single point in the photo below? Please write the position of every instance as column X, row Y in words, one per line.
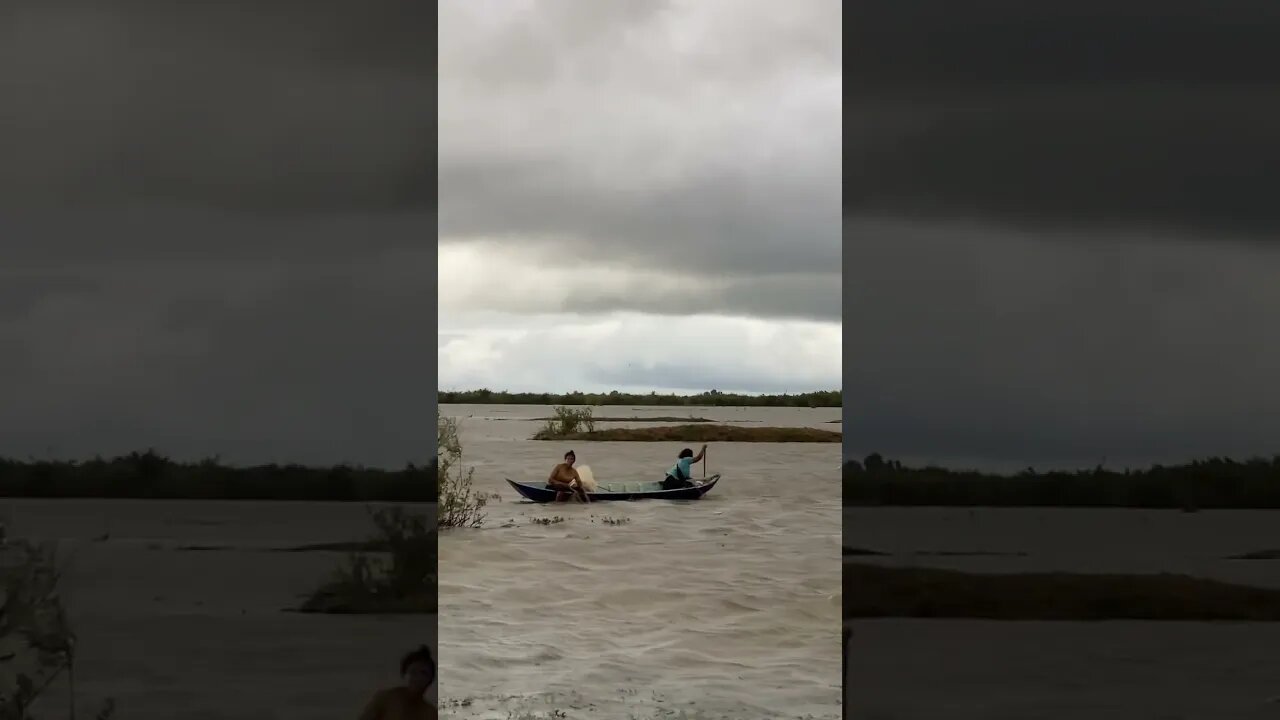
column 291, row 357
column 1099, row 116
column 978, row 342
column 518, row 278
column 320, row 106
column 659, row 136
column 630, row 352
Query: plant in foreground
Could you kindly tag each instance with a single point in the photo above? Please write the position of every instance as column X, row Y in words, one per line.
column 459, row 504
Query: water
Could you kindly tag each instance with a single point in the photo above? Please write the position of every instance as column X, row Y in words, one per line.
column 985, row 670
column 727, row 607
column 162, row 628
column 1073, row 540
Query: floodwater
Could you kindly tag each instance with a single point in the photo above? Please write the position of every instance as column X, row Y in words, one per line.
column 985, row 670
column 725, row 607
column 169, row 631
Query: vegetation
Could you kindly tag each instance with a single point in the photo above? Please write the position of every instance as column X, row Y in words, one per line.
column 568, row 421
column 150, row 475
column 580, row 424
column 1213, row 483
column 400, row 580
column 711, row 398
column 699, row 433
column 459, row 504
column 879, row 591
column 395, row 571
column 36, row 640
column 633, row 419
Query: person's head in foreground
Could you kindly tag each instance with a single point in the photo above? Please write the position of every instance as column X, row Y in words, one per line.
column 569, row 458
column 418, row 669
column 686, row 453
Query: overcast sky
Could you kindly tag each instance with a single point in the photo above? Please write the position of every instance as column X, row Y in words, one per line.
column 1061, row 230
column 217, row 229
column 640, row 195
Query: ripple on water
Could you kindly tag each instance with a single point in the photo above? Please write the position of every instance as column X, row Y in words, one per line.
column 719, row 608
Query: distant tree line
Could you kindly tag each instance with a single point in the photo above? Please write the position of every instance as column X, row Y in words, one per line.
column 1211, row 483
column 149, row 475
column 711, row 398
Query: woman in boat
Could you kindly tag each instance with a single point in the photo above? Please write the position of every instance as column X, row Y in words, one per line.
column 679, row 475
column 565, row 481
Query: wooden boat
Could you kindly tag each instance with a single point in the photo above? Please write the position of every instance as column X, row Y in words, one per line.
column 540, row 493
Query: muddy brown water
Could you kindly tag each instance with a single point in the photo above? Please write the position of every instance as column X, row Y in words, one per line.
column 909, row 669
column 726, row 607
column 169, row 632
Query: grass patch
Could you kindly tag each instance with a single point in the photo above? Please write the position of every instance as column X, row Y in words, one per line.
column 1258, row 555
column 855, row 552
column 1216, row 483
column 357, row 546
column 864, row 552
column 698, row 433
column 877, row 591
column 665, row 418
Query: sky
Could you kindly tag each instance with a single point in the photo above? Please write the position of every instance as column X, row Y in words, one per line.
column 1061, row 232
column 640, row 195
column 217, row 230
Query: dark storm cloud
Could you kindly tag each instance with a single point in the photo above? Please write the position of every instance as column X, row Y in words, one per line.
column 690, row 135
column 1101, row 114
column 1057, row 242
column 285, row 362
column 268, row 106
column 906, row 46
column 217, row 229
column 975, row 342
column 46, row 242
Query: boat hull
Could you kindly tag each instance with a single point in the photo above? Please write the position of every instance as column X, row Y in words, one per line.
column 539, row 493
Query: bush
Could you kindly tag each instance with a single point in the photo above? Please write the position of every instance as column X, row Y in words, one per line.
column 568, row 421
column 34, row 631
column 401, row 578
column 459, row 505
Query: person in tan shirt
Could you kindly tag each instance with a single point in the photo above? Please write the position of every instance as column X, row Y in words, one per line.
column 407, row 701
column 565, row 481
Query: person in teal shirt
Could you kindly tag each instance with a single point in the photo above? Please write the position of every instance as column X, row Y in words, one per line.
column 680, row 475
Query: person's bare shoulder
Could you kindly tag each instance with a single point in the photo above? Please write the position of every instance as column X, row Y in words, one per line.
column 377, row 707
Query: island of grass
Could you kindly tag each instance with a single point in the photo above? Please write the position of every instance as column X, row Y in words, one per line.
column 876, row 591
column 1217, row 483
column 573, row 423
column 697, row 434
column 711, row 398
column 664, row 418
column 149, row 475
